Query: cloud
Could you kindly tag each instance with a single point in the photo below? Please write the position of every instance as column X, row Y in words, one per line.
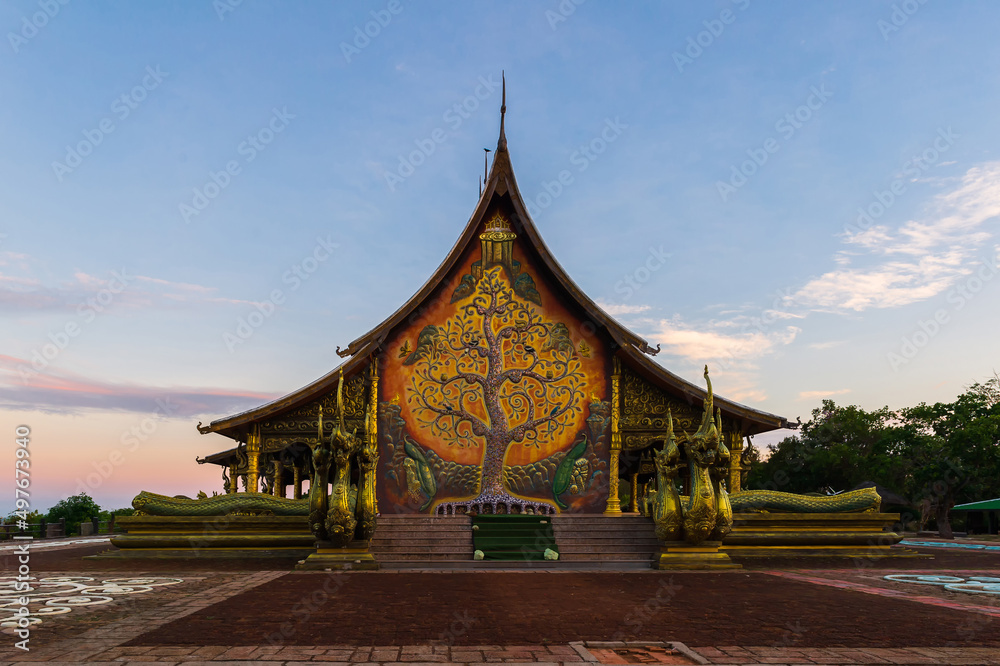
column 827, row 345
column 24, row 293
column 917, row 261
column 731, row 357
column 819, row 395
column 64, row 393
column 711, row 343
column 617, row 309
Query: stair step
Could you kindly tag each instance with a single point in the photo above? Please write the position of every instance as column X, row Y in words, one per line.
column 591, row 542
column 507, row 565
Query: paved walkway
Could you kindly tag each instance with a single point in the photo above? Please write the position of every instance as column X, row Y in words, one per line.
column 124, row 631
column 573, row 654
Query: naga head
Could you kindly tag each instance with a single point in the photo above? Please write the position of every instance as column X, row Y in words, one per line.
column 703, row 446
column 667, row 459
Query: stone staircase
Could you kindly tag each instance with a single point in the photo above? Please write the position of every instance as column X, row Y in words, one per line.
column 606, row 542
column 415, row 541
column 585, row 542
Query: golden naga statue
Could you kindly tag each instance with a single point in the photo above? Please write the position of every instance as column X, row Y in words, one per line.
column 667, row 503
column 331, row 518
column 706, row 513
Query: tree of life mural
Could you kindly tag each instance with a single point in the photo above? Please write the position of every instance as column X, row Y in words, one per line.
column 494, row 376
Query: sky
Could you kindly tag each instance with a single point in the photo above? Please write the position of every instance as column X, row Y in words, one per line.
column 199, row 201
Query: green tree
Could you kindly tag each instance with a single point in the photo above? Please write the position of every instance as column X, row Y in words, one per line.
column 75, row 510
column 936, row 455
column 839, row 447
column 953, row 451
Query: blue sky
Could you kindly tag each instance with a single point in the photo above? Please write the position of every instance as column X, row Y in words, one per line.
column 166, row 168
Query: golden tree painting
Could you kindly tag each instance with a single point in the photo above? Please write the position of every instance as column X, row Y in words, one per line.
column 496, row 375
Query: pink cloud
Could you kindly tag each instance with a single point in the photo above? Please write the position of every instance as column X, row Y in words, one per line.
column 65, row 393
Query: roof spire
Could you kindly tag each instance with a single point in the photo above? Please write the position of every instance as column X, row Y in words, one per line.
column 502, row 142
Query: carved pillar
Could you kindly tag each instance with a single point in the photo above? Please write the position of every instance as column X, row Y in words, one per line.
column 367, row 506
column 614, row 506
column 233, row 480
column 279, row 477
column 253, row 459
column 734, row 440
column 634, row 500
column 372, row 429
column 297, row 480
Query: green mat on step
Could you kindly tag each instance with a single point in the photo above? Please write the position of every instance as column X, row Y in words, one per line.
column 513, row 537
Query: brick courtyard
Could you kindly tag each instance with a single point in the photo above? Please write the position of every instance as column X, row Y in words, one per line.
column 199, row 611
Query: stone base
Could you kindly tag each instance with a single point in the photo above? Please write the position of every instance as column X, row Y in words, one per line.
column 355, row 556
column 846, row 552
column 679, row 555
column 212, row 536
column 844, row 535
column 254, row 553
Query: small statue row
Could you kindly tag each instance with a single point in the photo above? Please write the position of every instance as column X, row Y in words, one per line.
column 706, row 514
column 335, row 517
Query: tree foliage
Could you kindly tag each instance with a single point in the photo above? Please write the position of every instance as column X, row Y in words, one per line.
column 934, row 456
column 75, row 510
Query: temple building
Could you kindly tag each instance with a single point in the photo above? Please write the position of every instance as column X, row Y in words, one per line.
column 500, row 385
column 499, row 413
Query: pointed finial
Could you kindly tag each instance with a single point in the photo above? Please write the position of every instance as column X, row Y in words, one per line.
column 502, row 142
column 486, row 165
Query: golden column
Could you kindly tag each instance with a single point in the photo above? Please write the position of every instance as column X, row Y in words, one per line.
column 614, row 506
column 634, row 499
column 735, row 444
column 372, row 427
column 279, row 477
column 234, row 480
column 297, row 480
column 253, row 459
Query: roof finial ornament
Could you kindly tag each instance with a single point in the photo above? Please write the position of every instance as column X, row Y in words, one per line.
column 486, row 165
column 502, row 143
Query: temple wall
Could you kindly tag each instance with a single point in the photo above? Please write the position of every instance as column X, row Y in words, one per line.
column 496, row 376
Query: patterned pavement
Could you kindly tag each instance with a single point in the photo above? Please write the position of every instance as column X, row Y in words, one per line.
column 98, row 634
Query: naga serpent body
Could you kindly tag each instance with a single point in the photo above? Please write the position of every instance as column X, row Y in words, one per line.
column 773, row 501
column 152, row 504
column 317, row 487
column 340, row 521
column 700, row 514
column 666, row 502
